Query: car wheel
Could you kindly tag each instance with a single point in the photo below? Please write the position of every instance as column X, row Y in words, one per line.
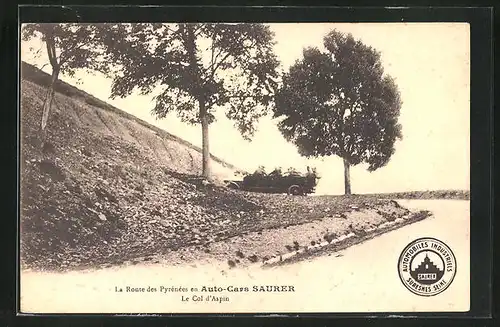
column 233, row 186
column 295, row 190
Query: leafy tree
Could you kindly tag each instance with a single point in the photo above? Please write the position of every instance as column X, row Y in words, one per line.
column 339, row 102
column 196, row 68
column 69, row 47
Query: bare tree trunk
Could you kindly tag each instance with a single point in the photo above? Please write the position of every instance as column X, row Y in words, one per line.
column 347, row 178
column 204, row 141
column 51, row 52
column 190, row 42
column 48, row 99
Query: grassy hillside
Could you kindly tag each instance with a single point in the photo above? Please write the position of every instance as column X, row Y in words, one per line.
column 102, row 117
column 106, row 187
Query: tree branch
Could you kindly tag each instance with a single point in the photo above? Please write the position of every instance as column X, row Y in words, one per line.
column 225, row 57
column 197, row 31
column 219, row 63
column 64, row 56
column 173, row 35
column 212, row 53
column 171, row 30
column 43, row 66
column 190, row 43
column 37, row 52
column 212, row 62
column 247, row 96
column 51, row 50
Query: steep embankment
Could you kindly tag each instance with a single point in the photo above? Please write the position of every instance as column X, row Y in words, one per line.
column 105, row 187
column 96, row 116
column 94, row 190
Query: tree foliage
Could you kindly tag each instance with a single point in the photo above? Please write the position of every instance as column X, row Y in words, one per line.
column 69, row 47
column 339, row 102
column 193, row 69
column 233, row 65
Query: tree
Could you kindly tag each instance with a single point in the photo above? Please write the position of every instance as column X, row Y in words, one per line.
column 339, row 102
column 195, row 69
column 69, row 47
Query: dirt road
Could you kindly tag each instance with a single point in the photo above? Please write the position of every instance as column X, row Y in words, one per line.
column 362, row 278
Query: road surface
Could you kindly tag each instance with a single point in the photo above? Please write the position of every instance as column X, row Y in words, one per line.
column 362, row 278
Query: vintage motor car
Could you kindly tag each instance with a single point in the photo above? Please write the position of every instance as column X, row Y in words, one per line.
column 292, row 183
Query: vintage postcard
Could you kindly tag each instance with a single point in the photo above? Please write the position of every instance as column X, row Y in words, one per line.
column 177, row 168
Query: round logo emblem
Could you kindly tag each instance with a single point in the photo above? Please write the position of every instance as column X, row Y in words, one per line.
column 427, row 266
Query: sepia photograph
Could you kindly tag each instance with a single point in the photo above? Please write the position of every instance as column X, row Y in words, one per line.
column 180, row 168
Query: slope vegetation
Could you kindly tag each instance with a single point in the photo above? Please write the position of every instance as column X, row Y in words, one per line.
column 99, row 117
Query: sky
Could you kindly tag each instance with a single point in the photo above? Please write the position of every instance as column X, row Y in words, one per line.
column 430, row 63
